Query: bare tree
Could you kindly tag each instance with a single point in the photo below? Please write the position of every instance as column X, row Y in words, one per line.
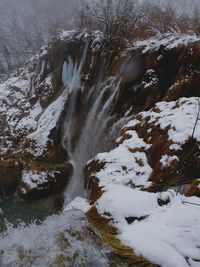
column 114, row 17
column 26, row 25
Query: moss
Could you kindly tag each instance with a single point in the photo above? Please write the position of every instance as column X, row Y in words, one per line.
column 119, row 251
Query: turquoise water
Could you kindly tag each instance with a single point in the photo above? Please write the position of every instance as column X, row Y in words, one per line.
column 15, row 210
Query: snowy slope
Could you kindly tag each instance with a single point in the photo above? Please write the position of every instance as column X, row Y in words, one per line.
column 164, row 227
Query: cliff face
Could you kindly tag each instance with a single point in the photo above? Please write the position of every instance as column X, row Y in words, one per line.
column 74, row 99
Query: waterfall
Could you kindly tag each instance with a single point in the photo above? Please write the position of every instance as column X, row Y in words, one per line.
column 71, row 78
column 94, row 134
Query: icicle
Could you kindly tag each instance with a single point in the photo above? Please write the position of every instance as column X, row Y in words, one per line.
column 71, row 75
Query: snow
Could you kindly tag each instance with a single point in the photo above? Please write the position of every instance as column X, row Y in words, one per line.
column 96, row 37
column 165, row 232
column 166, row 160
column 33, row 179
column 167, row 41
column 150, row 79
column 122, row 201
column 123, row 166
column 179, row 116
column 68, row 35
column 22, row 117
column 167, row 235
column 48, row 121
column 29, row 122
column 78, row 203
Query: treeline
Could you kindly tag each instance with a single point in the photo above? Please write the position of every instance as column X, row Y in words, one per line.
column 26, row 25
column 132, row 19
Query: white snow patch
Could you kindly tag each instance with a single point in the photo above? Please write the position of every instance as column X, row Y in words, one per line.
column 47, row 122
column 179, row 116
column 166, row 160
column 168, row 41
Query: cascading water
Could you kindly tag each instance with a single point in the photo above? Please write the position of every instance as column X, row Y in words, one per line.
column 94, row 136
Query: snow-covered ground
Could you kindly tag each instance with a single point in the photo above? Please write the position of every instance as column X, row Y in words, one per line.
column 177, row 118
column 162, row 227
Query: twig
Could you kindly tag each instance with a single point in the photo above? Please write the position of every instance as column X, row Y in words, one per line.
column 186, row 202
column 197, row 118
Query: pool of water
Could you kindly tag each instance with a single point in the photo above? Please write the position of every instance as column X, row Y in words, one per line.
column 15, row 210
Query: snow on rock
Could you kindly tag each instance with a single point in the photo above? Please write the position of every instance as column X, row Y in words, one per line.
column 122, row 166
column 47, row 121
column 179, row 116
column 29, row 122
column 122, row 201
column 167, row 41
column 166, row 160
column 96, row 37
column 170, row 236
column 21, row 108
column 33, row 179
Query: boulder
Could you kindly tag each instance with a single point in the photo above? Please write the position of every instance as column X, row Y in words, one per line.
column 41, row 180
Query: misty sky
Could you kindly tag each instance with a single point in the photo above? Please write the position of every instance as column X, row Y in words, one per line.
column 25, row 25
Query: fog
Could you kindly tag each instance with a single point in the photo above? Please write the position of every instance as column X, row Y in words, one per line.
column 26, row 25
